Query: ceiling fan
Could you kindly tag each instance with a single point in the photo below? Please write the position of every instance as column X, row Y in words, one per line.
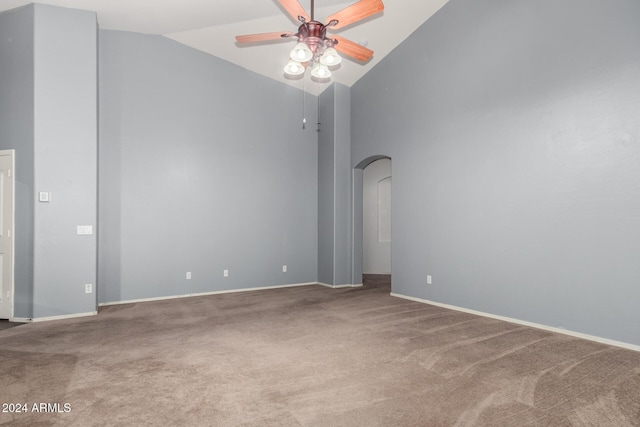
column 314, row 46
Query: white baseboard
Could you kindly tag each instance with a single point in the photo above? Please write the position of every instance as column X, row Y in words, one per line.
column 525, row 323
column 48, row 318
column 199, row 294
column 357, row 285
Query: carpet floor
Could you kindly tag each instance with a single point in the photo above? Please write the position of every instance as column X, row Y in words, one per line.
column 309, row 356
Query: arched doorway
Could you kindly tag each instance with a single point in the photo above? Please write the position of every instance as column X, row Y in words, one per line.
column 372, row 220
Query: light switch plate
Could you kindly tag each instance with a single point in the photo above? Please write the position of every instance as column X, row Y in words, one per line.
column 85, row 229
column 44, row 196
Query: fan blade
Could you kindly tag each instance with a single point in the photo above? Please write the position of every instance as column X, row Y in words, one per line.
column 294, row 9
column 352, row 49
column 356, row 12
column 263, row 37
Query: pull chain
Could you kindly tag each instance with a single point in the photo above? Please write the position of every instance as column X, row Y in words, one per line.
column 304, row 116
column 318, row 112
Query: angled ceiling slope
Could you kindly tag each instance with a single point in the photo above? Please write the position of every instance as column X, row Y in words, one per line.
column 211, row 26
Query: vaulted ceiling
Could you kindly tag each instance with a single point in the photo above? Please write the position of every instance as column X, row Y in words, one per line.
column 211, row 25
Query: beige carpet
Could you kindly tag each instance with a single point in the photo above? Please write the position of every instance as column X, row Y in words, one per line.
column 310, row 356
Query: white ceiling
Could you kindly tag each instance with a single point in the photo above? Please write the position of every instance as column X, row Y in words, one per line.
column 211, row 25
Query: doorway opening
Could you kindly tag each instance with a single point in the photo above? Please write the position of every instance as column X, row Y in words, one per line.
column 7, row 201
column 372, row 222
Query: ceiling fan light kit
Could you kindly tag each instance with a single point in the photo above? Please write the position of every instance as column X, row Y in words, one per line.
column 321, row 72
column 294, row 68
column 301, row 53
column 330, row 57
column 313, row 44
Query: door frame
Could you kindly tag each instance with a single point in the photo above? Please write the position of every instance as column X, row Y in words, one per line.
column 12, row 157
column 357, row 216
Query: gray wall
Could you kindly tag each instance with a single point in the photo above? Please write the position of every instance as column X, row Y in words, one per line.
column 65, row 161
column 343, row 223
column 326, row 186
column 334, row 188
column 204, row 166
column 48, row 114
column 513, row 128
column 16, row 131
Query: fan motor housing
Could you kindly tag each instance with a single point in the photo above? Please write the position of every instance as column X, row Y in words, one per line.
column 313, row 34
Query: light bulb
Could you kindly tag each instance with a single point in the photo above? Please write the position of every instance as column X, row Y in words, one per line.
column 330, row 57
column 301, row 53
column 321, row 71
column 294, row 68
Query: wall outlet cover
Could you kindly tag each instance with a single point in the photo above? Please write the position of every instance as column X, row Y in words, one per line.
column 44, row 196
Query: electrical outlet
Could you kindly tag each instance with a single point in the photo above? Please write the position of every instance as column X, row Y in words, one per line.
column 284, row 268
column 188, row 275
column 429, row 279
column 88, row 288
column 225, row 273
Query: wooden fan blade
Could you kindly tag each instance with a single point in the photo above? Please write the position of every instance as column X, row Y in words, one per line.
column 263, row 37
column 356, row 12
column 352, row 49
column 294, row 9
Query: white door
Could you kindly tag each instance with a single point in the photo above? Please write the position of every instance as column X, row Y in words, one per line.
column 6, row 233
